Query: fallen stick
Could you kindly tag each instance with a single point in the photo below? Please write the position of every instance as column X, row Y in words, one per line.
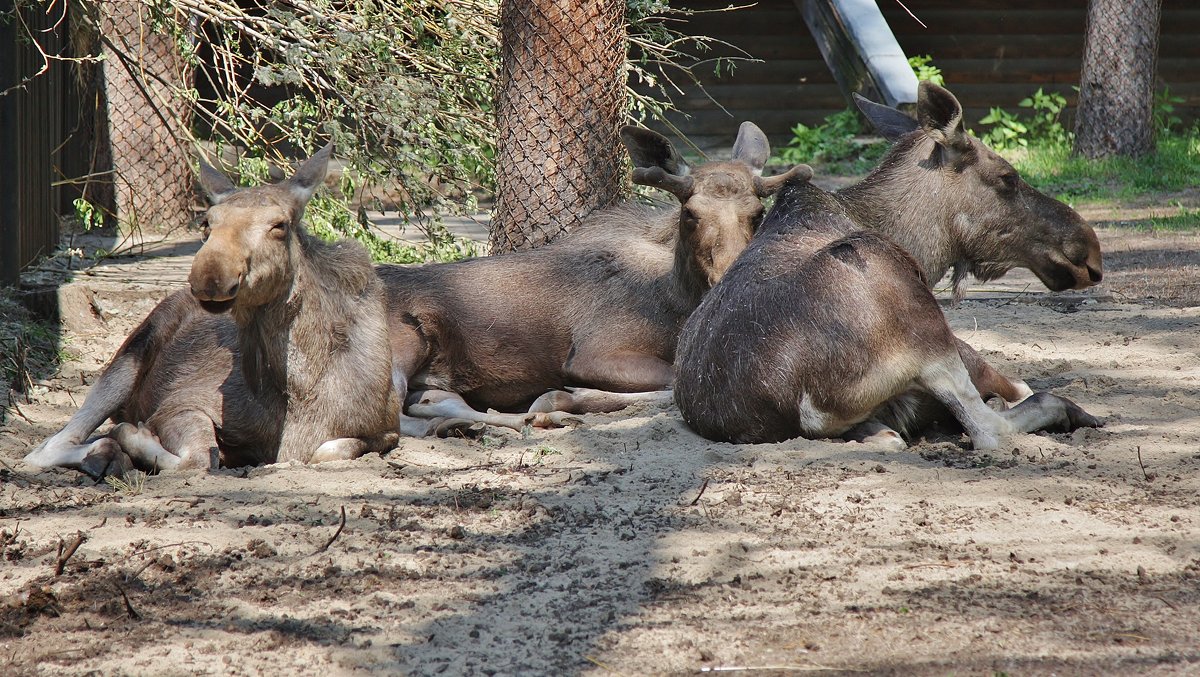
column 337, row 533
column 66, row 551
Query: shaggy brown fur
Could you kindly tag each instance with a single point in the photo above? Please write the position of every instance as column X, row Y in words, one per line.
column 294, row 370
column 821, row 329
column 601, row 307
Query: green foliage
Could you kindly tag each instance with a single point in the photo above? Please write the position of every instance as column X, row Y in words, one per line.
column 1044, row 121
column 89, row 216
column 29, row 350
column 660, row 53
column 1041, row 126
column 836, row 141
column 331, row 216
column 1165, row 120
column 404, row 88
column 833, row 142
column 924, row 69
column 1006, row 132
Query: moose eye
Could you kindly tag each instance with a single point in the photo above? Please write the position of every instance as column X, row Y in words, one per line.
column 205, row 231
column 279, row 229
column 1010, row 180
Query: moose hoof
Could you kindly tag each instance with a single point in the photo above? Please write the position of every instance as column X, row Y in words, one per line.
column 459, row 427
column 1079, row 418
column 554, row 419
column 106, row 458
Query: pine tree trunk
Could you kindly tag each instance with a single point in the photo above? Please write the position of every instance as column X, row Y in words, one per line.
column 1116, row 92
column 144, row 75
column 559, row 109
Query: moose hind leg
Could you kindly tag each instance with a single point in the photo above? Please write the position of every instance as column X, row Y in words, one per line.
column 949, row 382
column 188, row 435
column 620, row 371
column 874, row 432
column 144, row 447
column 987, row 380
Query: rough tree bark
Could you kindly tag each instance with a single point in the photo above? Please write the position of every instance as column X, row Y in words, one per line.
column 1116, row 92
column 559, row 109
column 144, row 75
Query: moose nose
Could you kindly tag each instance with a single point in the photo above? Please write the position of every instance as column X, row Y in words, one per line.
column 1094, row 275
column 214, row 290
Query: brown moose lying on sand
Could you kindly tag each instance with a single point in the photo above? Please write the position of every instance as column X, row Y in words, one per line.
column 950, row 202
column 600, row 307
column 294, row 370
column 824, row 329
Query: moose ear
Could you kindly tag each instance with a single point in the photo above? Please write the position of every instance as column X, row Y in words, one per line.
column 650, row 149
column 941, row 116
column 310, row 175
column 751, row 147
column 216, row 185
column 890, row 123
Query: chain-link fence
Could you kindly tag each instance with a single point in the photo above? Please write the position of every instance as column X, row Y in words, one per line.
column 560, row 106
column 144, row 75
column 1116, row 92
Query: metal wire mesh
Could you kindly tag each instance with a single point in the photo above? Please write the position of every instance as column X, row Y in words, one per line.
column 144, row 74
column 1116, row 90
column 561, row 102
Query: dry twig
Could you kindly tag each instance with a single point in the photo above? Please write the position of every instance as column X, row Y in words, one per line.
column 66, row 551
column 341, row 525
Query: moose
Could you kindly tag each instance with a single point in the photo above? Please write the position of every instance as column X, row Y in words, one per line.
column 823, row 329
column 295, row 370
column 950, row 202
column 601, row 307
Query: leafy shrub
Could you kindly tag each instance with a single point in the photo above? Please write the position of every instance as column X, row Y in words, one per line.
column 924, row 69
column 1041, row 126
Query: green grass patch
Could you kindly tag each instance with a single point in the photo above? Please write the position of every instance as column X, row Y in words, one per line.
column 1052, row 169
column 1184, row 219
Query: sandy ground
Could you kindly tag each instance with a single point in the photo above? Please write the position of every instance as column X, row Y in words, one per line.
column 629, row 545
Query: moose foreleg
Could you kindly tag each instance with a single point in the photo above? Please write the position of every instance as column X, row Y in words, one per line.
column 1045, row 411
column 66, row 448
column 592, row 401
column 443, row 404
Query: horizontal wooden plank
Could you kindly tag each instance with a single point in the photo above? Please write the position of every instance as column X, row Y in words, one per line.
column 749, row 21
column 1044, row 21
column 762, row 97
column 943, row 47
column 987, row 22
column 773, row 71
column 1038, row 72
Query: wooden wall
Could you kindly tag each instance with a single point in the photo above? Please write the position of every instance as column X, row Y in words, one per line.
column 31, row 135
column 992, row 52
column 791, row 85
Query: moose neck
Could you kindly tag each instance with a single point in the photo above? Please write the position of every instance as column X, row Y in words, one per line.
column 909, row 204
column 285, row 343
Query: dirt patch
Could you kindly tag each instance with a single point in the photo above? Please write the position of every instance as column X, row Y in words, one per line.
column 631, row 545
